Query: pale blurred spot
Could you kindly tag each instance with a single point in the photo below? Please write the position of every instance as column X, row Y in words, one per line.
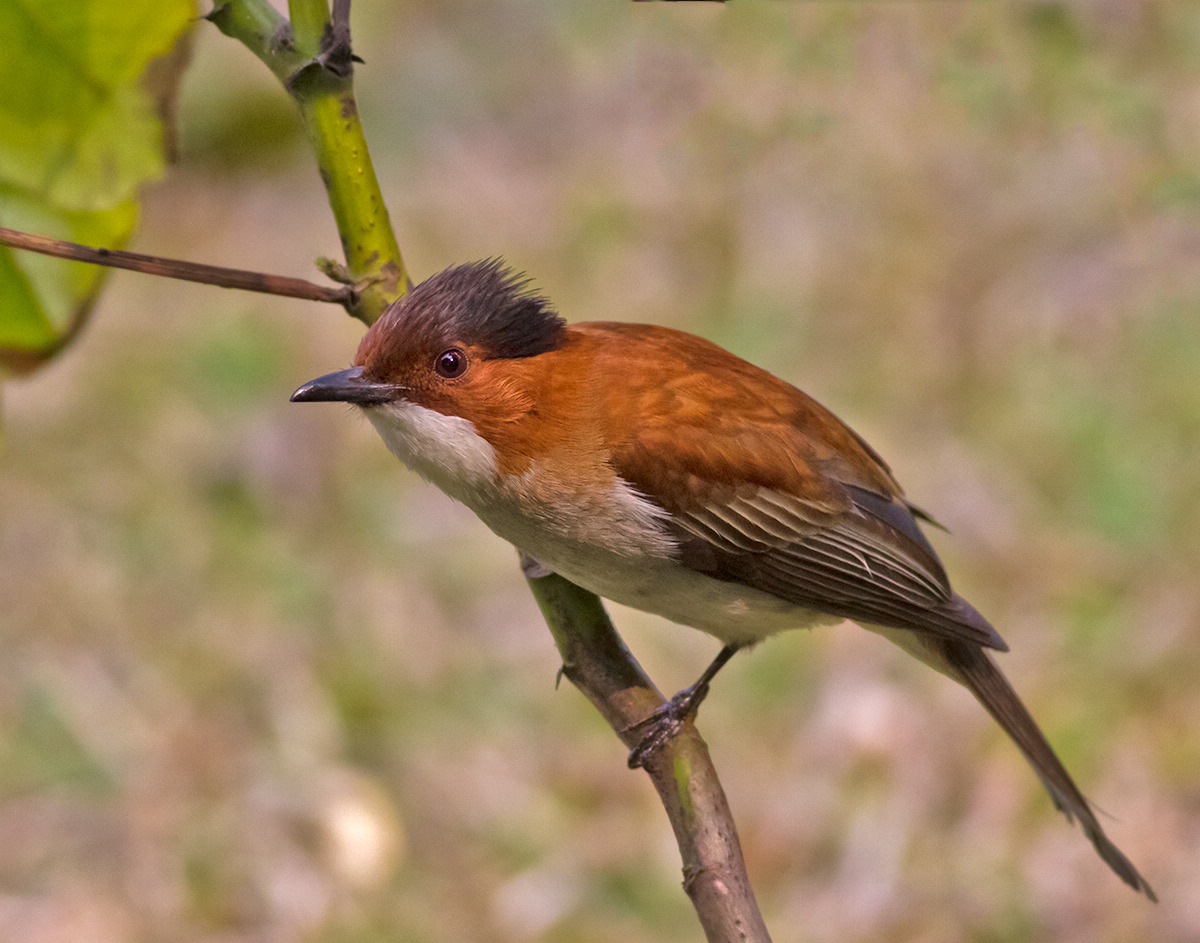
column 362, row 838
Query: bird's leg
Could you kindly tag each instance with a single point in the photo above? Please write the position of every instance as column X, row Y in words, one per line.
column 664, row 722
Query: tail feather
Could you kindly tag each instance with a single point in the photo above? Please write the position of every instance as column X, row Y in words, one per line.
column 971, row 665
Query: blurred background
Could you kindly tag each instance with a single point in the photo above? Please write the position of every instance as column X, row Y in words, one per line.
column 261, row 683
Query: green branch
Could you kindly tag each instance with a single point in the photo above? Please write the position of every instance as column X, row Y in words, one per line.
column 261, row 29
column 313, row 61
column 309, row 19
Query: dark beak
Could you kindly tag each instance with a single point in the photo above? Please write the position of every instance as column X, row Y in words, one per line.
column 346, row 386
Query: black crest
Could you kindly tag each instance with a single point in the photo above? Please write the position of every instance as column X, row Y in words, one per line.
column 485, row 304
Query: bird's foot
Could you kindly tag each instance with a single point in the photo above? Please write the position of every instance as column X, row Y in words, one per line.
column 663, row 724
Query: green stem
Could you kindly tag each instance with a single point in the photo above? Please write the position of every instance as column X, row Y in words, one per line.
column 262, row 30
column 326, row 102
column 309, row 19
column 368, row 241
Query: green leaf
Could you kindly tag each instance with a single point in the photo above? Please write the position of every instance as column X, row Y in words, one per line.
column 83, row 87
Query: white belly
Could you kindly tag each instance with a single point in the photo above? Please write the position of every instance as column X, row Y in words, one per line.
column 649, row 579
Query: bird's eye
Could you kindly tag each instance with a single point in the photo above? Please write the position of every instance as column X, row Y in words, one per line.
column 451, row 363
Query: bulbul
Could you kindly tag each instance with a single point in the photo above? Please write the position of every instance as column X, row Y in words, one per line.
column 660, row 471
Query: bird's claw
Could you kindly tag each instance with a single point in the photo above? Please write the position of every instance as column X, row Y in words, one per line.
column 663, row 724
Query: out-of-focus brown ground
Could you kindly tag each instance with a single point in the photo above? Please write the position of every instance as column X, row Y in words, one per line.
column 260, row 683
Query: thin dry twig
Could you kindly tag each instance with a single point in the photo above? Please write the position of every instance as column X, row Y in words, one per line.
column 177, row 268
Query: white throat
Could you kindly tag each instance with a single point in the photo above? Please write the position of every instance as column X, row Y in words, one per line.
column 445, row 450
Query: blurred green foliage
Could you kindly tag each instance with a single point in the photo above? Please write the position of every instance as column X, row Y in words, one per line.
column 81, row 130
column 260, row 682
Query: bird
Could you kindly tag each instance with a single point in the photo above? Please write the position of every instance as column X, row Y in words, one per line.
column 660, row 471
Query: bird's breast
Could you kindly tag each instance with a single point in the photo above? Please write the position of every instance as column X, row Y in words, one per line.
column 563, row 502
column 549, row 515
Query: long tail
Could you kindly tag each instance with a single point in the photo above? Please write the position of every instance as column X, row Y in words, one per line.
column 971, row 665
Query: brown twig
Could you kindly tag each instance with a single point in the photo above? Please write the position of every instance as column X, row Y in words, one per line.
column 597, row 662
column 177, row 268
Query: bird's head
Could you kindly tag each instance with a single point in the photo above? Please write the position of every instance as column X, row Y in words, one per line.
column 450, row 374
column 448, row 345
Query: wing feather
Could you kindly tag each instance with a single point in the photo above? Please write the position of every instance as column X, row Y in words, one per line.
column 858, row 567
column 766, row 487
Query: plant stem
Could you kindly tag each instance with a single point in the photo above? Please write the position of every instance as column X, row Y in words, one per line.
column 597, row 662
column 309, row 19
column 368, row 241
column 262, row 30
column 313, row 63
